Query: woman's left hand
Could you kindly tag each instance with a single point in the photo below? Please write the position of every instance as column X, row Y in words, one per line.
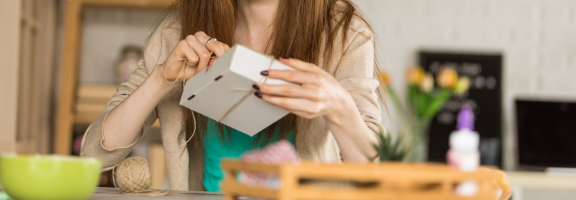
column 319, row 94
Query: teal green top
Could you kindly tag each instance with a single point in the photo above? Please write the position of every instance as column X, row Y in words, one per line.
column 215, row 149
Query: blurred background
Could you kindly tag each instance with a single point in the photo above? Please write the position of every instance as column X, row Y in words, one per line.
column 62, row 61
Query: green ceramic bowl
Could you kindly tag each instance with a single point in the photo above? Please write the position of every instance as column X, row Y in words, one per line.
column 49, row 177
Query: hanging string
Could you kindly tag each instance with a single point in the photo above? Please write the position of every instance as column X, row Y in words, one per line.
column 133, row 174
column 182, row 72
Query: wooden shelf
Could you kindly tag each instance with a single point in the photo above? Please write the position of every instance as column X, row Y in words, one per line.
column 130, row 3
column 89, row 105
column 92, row 100
column 88, row 118
column 97, row 91
column 158, row 168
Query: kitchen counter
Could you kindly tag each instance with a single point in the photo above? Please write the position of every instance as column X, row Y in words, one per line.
column 541, row 186
column 525, row 185
column 541, row 180
column 113, row 194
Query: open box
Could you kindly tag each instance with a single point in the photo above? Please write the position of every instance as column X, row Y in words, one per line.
column 406, row 181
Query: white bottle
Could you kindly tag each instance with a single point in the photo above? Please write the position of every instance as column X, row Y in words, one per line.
column 463, row 153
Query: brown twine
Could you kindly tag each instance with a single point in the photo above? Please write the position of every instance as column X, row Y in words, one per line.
column 133, row 173
column 249, row 91
column 182, row 72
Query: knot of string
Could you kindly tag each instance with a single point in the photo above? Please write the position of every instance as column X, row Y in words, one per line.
column 248, row 91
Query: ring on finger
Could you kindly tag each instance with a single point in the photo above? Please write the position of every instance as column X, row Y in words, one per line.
column 208, row 41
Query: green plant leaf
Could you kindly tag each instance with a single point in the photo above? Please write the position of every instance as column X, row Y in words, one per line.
column 421, row 104
column 388, row 142
column 377, row 147
column 401, row 156
column 391, row 149
column 428, row 98
column 396, row 100
column 437, row 103
column 412, row 95
column 396, row 147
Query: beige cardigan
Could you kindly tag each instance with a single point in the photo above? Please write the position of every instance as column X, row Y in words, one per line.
column 315, row 142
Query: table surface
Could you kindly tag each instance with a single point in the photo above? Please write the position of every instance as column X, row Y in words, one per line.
column 113, row 194
column 527, row 180
column 540, row 180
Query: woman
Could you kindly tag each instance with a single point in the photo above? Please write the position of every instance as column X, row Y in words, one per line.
column 335, row 113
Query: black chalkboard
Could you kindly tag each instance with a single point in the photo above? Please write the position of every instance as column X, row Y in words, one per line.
column 484, row 96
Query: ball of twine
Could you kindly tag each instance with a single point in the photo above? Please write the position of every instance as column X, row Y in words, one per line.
column 133, row 175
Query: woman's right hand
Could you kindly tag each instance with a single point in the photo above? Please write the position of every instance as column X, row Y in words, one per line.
column 122, row 125
column 196, row 53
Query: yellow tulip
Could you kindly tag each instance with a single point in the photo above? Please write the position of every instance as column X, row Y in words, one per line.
column 447, row 77
column 385, row 77
column 427, row 83
column 414, row 75
column 462, row 85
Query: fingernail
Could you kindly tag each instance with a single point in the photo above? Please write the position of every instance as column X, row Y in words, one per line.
column 264, row 73
column 258, row 94
column 255, row 87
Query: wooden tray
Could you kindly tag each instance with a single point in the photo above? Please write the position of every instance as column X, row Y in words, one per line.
column 364, row 181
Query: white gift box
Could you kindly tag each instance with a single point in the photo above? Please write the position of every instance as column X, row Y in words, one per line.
column 224, row 91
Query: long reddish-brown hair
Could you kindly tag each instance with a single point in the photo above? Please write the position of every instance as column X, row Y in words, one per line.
column 302, row 29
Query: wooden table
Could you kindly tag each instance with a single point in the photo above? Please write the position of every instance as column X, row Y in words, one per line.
column 113, row 194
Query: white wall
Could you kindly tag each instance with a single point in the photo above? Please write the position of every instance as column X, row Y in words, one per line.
column 536, row 37
column 9, row 55
column 105, row 31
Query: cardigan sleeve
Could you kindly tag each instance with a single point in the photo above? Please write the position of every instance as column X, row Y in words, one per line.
column 94, row 135
column 158, row 45
column 355, row 73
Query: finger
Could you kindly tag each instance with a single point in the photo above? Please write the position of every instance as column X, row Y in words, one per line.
column 202, row 37
column 304, row 115
column 295, row 76
column 212, row 60
column 214, row 45
column 190, row 54
column 300, row 65
column 201, row 51
column 224, row 48
column 310, row 93
column 293, row 104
